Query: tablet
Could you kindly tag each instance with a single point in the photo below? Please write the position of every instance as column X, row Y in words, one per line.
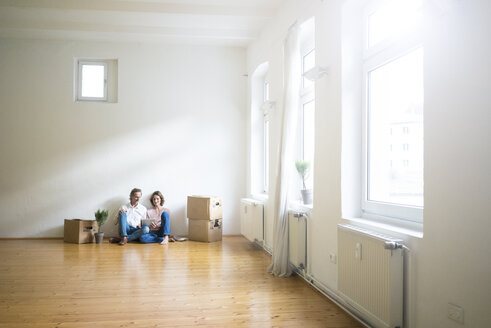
column 146, row 222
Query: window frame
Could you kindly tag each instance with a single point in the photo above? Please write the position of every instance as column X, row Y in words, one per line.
column 266, row 129
column 306, row 94
column 80, row 64
column 308, row 50
column 260, row 109
column 307, row 99
column 375, row 57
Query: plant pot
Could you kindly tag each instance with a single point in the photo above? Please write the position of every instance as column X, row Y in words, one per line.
column 307, row 196
column 99, row 237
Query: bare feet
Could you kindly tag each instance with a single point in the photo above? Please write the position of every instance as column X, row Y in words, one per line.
column 165, row 241
column 123, row 241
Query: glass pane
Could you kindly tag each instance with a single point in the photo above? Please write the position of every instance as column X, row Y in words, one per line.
column 308, row 139
column 308, row 63
column 395, row 131
column 93, row 81
column 266, row 155
column 397, row 17
column 266, row 91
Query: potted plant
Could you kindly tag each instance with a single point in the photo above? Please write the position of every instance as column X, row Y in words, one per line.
column 101, row 218
column 303, row 168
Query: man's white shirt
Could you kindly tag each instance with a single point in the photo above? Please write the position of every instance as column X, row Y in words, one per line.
column 135, row 214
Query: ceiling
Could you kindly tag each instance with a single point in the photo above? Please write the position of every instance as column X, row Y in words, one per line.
column 208, row 22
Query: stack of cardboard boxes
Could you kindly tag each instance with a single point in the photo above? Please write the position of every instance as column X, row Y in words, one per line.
column 205, row 218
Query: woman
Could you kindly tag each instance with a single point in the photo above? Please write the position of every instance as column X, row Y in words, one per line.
column 160, row 226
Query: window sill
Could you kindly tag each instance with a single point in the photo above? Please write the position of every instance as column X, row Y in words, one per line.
column 409, row 229
column 300, row 207
column 260, row 197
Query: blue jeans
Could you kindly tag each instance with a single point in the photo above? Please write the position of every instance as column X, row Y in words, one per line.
column 125, row 230
column 158, row 236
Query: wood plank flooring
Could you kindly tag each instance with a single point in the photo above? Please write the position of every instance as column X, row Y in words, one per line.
column 49, row 283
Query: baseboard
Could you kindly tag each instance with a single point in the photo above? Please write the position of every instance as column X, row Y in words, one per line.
column 31, row 238
column 334, row 297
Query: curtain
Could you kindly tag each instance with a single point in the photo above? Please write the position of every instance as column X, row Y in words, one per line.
column 291, row 85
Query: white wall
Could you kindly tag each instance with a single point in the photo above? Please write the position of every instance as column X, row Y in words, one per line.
column 454, row 257
column 452, row 262
column 177, row 127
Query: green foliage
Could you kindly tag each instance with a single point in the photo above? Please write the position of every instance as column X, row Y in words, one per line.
column 303, row 168
column 101, row 217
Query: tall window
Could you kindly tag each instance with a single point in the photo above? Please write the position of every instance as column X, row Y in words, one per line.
column 306, row 113
column 266, row 152
column 393, row 157
column 266, row 137
column 261, row 106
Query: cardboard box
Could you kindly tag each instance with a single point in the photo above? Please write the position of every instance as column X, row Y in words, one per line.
column 205, row 230
column 80, row 231
column 204, row 207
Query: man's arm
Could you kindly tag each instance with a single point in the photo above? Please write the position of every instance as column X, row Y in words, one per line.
column 123, row 209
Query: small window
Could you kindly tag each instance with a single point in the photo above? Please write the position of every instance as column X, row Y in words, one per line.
column 92, row 81
column 95, row 80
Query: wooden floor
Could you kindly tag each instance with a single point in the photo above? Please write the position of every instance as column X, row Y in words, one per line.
column 49, row 283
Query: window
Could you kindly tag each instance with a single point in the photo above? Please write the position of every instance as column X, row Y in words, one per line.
column 308, row 117
column 92, row 83
column 391, row 20
column 266, row 152
column 393, row 93
column 95, row 80
column 266, row 137
column 308, row 62
column 266, row 92
column 306, row 112
column 260, row 124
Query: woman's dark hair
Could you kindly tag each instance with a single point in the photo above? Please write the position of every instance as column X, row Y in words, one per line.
column 157, row 193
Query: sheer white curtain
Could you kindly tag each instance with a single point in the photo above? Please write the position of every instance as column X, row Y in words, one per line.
column 280, row 266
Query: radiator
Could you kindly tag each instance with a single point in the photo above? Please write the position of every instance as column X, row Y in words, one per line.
column 252, row 219
column 297, row 234
column 370, row 277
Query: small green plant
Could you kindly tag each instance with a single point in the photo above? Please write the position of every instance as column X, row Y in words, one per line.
column 101, row 217
column 303, row 168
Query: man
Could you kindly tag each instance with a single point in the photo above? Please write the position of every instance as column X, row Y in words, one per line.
column 130, row 216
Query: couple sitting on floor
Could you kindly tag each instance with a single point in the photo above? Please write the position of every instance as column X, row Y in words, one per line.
column 131, row 225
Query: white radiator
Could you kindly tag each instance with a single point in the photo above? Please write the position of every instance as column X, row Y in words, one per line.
column 370, row 277
column 252, row 219
column 297, row 234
